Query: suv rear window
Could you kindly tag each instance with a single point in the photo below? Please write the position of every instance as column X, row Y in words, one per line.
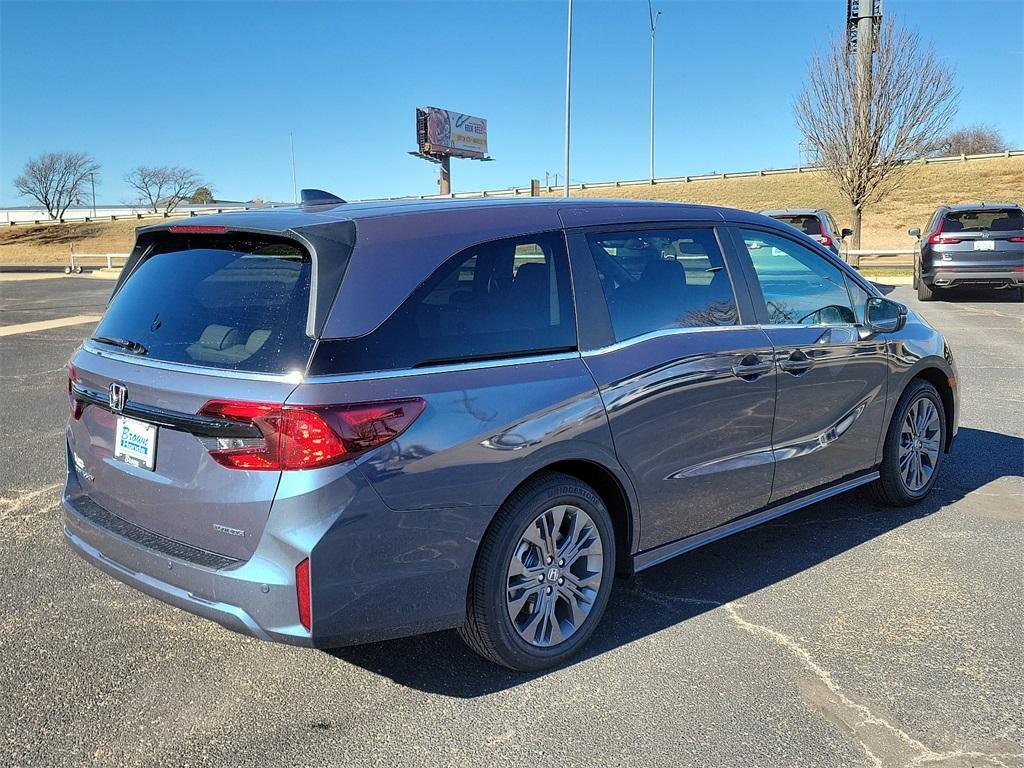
column 1000, row 220
column 501, row 298
column 236, row 304
column 809, row 225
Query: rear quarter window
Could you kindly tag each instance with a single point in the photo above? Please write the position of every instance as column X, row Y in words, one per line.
column 232, row 304
column 502, row 298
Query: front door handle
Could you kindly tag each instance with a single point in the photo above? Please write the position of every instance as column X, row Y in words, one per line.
column 797, row 363
column 751, row 367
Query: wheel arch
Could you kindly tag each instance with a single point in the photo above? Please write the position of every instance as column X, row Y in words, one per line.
column 939, row 379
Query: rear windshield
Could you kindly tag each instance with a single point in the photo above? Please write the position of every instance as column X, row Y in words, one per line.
column 1005, row 220
column 809, row 225
column 234, row 304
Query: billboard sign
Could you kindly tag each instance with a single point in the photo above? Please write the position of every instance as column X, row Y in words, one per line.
column 443, row 132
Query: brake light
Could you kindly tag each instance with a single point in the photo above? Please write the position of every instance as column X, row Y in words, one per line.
column 937, row 239
column 302, row 594
column 307, row 437
column 75, row 406
column 197, row 229
column 1017, row 239
column 824, row 240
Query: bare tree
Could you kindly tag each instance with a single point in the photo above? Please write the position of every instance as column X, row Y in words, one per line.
column 865, row 129
column 56, row 180
column 974, row 140
column 163, row 187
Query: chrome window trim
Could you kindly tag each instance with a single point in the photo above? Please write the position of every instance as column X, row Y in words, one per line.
column 504, row 362
column 198, row 370
column 671, row 332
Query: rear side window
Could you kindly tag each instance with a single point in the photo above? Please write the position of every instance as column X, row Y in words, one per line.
column 235, row 304
column 809, row 225
column 663, row 279
column 1004, row 220
column 502, row 298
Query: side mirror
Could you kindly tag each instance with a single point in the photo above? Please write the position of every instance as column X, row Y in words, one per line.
column 915, row 232
column 845, row 233
column 884, row 315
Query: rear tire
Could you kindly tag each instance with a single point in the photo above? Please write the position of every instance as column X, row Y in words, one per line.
column 924, row 291
column 909, row 467
column 527, row 625
column 1015, row 294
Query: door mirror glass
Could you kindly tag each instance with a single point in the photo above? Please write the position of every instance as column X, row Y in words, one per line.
column 914, row 232
column 884, row 315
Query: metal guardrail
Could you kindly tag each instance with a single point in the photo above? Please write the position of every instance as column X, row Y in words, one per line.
column 853, row 256
column 140, row 216
column 75, row 260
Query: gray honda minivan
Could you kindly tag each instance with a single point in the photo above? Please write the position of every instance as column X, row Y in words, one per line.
column 341, row 423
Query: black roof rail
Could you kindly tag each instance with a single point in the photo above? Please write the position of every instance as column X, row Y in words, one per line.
column 319, row 197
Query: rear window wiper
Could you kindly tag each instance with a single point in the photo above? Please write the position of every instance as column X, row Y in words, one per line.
column 128, row 344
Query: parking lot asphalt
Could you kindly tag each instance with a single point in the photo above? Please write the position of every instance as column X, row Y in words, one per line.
column 845, row 634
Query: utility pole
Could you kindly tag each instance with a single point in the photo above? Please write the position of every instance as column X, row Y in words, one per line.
column 92, row 179
column 654, row 29
column 295, row 183
column 568, row 102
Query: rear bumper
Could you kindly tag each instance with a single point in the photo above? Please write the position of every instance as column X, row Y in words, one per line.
column 376, row 573
column 948, row 277
column 256, row 598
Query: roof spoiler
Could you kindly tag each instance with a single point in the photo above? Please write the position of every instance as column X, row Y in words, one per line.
column 319, row 197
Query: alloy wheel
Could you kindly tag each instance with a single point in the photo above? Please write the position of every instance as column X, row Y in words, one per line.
column 554, row 576
column 919, row 444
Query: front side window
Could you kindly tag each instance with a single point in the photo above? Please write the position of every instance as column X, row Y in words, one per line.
column 661, row 279
column 498, row 299
column 800, row 287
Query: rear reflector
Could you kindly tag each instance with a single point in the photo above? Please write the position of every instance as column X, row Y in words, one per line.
column 302, row 594
column 307, row 437
column 197, row 229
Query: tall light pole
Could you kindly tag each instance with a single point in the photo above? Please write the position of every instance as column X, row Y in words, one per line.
column 92, row 179
column 295, row 184
column 568, row 83
column 654, row 29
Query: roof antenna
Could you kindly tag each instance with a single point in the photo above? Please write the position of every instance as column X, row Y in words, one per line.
column 319, row 197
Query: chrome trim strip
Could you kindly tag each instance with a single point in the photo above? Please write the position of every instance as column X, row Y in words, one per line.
column 668, row 332
column 198, row 370
column 659, row 554
column 448, row 368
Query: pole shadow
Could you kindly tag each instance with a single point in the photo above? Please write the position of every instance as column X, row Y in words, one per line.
column 705, row 578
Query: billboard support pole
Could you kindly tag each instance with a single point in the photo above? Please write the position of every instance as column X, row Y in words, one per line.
column 568, row 83
column 445, row 181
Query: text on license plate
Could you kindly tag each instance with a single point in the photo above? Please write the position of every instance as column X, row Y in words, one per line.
column 135, row 443
column 984, row 245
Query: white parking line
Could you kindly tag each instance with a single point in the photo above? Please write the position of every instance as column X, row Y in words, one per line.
column 45, row 325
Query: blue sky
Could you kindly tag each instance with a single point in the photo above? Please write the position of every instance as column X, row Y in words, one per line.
column 218, row 86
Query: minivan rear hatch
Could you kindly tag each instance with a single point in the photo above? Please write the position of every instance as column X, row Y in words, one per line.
column 204, row 324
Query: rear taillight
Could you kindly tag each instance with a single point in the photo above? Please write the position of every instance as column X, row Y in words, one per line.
column 302, row 594
column 1017, row 239
column 937, row 239
column 75, row 406
column 824, row 240
column 306, row 437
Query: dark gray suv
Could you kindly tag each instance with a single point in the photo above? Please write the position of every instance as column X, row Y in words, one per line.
column 979, row 245
column 342, row 423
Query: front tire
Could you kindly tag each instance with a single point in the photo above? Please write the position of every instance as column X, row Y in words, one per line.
column 913, row 450
column 543, row 575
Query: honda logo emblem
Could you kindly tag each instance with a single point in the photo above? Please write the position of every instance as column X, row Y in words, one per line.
column 117, row 396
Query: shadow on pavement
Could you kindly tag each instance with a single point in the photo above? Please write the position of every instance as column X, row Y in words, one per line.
column 705, row 578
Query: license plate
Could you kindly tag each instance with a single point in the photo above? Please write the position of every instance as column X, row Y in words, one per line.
column 984, row 245
column 135, row 443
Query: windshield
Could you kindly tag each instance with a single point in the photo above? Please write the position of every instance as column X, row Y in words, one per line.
column 809, row 225
column 1002, row 220
column 241, row 305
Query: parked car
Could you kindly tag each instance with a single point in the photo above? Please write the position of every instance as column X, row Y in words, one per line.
column 342, row 423
column 977, row 245
column 816, row 223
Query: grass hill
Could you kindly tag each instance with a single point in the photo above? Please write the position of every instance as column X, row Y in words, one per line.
column 885, row 225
